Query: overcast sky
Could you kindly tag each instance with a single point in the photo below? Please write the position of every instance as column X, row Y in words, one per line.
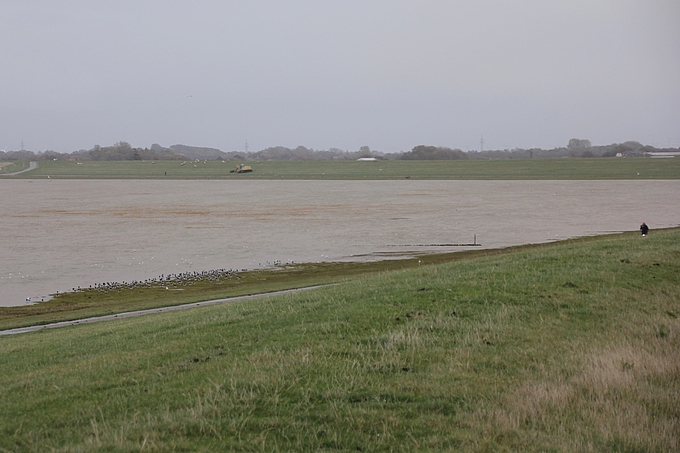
column 388, row 74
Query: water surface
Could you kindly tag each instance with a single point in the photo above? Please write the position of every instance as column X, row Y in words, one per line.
column 60, row 234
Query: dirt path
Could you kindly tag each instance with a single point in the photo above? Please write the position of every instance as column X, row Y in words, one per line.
column 31, row 166
column 132, row 314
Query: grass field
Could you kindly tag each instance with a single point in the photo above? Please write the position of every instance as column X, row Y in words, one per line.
column 566, row 347
column 554, row 169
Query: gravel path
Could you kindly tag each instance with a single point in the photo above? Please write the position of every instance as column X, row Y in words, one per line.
column 132, row 314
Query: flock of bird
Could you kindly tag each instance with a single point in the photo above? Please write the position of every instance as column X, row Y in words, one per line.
column 166, row 281
column 170, row 281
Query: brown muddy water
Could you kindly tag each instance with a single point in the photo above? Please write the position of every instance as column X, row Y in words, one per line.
column 61, row 234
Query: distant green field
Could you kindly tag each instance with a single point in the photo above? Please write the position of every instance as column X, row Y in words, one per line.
column 551, row 169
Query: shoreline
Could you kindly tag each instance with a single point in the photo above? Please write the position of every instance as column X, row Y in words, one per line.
column 72, row 308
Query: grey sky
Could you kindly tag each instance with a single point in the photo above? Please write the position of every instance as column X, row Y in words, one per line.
column 389, row 74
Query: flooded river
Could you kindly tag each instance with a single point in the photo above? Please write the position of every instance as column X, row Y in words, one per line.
column 60, row 234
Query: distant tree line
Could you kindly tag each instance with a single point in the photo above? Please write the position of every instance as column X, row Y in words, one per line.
column 423, row 152
column 119, row 151
column 123, row 151
column 576, row 148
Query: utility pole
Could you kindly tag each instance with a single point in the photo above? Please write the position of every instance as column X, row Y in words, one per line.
column 22, row 145
column 481, row 144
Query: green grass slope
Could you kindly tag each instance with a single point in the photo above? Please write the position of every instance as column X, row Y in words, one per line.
column 573, row 347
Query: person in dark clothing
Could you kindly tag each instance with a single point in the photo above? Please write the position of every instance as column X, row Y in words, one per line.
column 644, row 229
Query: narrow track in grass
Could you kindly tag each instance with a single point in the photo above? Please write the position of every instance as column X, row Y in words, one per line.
column 31, row 166
column 132, row 314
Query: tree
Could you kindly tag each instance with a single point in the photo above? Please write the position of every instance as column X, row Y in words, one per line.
column 579, row 144
column 365, row 151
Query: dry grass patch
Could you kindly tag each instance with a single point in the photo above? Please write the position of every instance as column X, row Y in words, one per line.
column 619, row 397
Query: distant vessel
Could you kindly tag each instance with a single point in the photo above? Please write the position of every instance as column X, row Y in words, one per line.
column 241, row 169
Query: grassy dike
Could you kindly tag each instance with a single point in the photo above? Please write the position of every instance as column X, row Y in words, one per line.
column 573, row 346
